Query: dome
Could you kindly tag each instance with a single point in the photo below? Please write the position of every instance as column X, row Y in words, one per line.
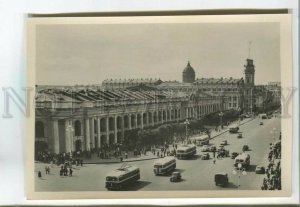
column 188, row 74
column 188, row 68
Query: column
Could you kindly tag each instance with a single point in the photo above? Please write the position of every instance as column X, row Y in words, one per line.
column 152, row 114
column 107, row 129
column 186, row 112
column 116, row 129
column 87, row 134
column 98, row 133
column 135, row 124
column 122, row 128
column 55, row 136
column 129, row 121
column 68, row 132
column 147, row 118
column 162, row 116
column 142, row 120
column 92, row 132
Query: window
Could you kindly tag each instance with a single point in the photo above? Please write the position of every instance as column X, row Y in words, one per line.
column 39, row 129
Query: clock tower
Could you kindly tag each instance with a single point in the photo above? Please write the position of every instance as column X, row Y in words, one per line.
column 249, row 72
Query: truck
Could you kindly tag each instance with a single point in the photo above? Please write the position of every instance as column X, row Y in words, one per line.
column 243, row 159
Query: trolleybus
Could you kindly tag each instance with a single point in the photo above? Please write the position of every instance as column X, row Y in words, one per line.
column 164, row 165
column 122, row 176
column 185, row 151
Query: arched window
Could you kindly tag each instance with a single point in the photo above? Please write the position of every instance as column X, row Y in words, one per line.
column 39, row 129
column 77, row 128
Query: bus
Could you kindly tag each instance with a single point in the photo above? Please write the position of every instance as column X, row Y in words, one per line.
column 243, row 159
column 263, row 116
column 185, row 151
column 164, row 165
column 202, row 140
column 234, row 128
column 122, row 176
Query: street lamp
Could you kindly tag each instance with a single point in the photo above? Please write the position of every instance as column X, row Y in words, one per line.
column 273, row 133
column 186, row 128
column 221, row 114
column 240, row 171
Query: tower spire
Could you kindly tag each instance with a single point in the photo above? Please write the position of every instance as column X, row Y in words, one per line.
column 249, row 55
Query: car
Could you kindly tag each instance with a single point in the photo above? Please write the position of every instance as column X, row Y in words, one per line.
column 205, row 156
column 259, row 169
column 261, row 123
column 175, row 177
column 234, row 155
column 221, row 179
column 205, row 148
column 223, row 153
column 224, row 142
column 245, row 148
column 240, row 135
column 221, row 147
column 212, row 148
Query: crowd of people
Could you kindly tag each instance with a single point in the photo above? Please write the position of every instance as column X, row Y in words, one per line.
column 272, row 179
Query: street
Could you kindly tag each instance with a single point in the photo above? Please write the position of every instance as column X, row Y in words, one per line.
column 197, row 174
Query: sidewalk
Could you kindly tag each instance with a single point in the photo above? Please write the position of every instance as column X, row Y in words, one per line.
column 131, row 158
column 226, row 129
column 149, row 156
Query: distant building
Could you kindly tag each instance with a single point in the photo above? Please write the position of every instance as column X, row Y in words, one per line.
column 275, row 89
column 188, row 74
column 116, row 84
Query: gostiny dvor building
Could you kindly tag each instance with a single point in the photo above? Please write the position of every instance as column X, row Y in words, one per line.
column 72, row 120
column 69, row 119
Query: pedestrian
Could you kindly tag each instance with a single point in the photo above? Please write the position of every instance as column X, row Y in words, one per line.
column 214, row 160
column 61, row 172
column 70, row 172
column 66, row 172
column 81, row 163
column 46, row 170
column 126, row 155
column 40, row 174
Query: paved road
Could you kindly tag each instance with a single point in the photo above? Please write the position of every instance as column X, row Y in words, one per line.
column 197, row 174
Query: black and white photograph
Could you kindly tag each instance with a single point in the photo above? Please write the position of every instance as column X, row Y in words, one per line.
column 156, row 106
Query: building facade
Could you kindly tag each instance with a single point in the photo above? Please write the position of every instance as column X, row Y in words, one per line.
column 68, row 121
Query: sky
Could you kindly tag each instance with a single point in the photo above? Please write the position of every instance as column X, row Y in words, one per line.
column 88, row 54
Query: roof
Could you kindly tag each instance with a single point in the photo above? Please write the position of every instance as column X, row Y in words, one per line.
column 219, row 80
column 242, row 156
column 202, row 137
column 163, row 160
column 188, row 68
column 92, row 95
column 132, row 80
column 121, row 171
column 184, row 147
